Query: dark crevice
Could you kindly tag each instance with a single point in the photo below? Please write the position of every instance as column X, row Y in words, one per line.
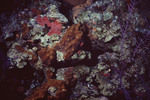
column 14, row 80
column 66, row 10
column 13, row 5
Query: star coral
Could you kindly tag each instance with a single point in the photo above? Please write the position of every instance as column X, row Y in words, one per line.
column 56, row 27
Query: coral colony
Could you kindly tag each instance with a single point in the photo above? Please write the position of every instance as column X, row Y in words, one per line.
column 75, row 50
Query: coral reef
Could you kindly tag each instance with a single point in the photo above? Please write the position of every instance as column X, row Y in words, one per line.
column 92, row 50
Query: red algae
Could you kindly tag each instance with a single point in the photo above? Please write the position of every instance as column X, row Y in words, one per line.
column 56, row 27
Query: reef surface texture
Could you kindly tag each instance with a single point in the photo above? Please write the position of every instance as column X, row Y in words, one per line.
column 93, row 50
